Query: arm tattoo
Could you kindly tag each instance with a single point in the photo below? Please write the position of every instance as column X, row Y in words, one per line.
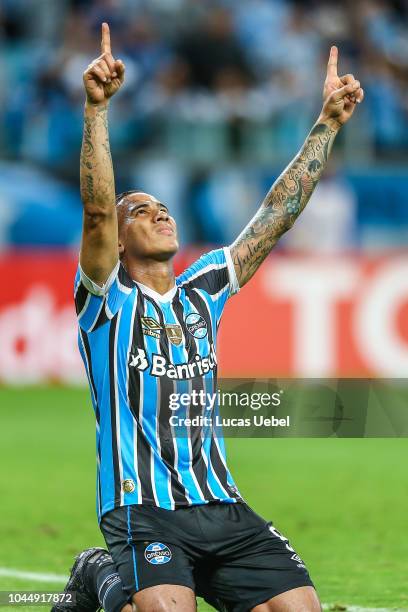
column 97, row 180
column 283, row 204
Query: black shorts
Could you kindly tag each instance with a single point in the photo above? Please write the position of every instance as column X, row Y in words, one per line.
column 226, row 553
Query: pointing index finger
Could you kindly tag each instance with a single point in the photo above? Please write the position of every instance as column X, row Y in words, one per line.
column 105, row 43
column 332, row 64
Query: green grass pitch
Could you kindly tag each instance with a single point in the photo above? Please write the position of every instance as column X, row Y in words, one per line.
column 342, row 503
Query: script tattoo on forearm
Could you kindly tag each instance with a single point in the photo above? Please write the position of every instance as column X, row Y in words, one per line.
column 97, row 179
column 283, row 204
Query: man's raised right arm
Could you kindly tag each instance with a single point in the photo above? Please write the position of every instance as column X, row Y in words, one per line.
column 99, row 247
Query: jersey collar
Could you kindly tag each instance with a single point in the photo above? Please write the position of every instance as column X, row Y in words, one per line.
column 158, row 297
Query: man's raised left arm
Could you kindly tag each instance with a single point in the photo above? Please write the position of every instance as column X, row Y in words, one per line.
column 291, row 192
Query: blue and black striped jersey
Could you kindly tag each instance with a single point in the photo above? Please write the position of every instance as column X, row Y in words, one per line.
column 139, row 348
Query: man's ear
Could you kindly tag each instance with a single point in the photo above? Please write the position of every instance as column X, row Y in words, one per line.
column 121, row 248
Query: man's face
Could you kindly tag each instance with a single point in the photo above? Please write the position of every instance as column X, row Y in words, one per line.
column 146, row 229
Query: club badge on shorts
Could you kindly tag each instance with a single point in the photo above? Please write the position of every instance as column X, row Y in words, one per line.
column 157, row 553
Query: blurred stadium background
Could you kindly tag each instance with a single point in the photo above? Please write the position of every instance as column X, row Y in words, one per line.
column 219, row 96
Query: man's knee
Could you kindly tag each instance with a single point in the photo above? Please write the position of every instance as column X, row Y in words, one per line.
column 165, row 598
column 302, row 599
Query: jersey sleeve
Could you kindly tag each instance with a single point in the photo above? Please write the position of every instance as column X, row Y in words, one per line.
column 213, row 273
column 95, row 304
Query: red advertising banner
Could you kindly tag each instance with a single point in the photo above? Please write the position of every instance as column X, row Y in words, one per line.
column 320, row 317
column 299, row 316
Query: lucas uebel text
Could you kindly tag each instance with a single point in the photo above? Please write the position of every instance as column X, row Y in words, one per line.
column 257, row 420
column 207, row 416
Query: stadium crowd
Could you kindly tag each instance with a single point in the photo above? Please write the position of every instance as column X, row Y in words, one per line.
column 219, row 94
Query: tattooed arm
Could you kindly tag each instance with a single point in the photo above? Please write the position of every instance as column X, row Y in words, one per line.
column 99, row 248
column 284, row 202
column 292, row 190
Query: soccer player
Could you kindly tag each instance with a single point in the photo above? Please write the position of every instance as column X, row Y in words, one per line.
column 173, row 519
